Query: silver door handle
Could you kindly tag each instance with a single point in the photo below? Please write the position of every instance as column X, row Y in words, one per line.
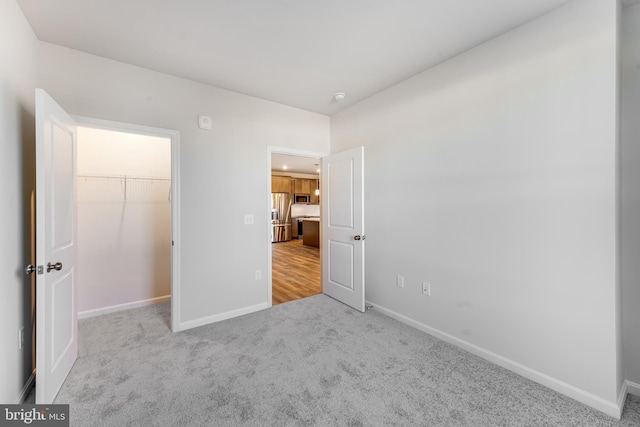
column 57, row 267
column 358, row 237
column 30, row 269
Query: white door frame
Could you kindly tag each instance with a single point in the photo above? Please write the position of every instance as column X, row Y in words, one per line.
column 291, row 152
column 174, row 136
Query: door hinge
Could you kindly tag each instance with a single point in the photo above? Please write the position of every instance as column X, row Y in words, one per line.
column 34, row 269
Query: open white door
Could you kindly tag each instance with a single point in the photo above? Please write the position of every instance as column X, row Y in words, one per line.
column 343, row 236
column 56, row 311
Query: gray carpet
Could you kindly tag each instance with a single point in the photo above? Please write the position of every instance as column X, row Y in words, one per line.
column 308, row 362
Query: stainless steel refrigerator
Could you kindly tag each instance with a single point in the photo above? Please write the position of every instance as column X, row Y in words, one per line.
column 280, row 217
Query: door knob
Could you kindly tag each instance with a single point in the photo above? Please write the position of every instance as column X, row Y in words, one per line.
column 30, row 269
column 57, row 267
column 358, row 237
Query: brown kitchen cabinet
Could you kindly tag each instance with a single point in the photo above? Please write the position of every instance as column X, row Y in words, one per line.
column 280, row 184
column 302, row 186
column 311, row 233
column 307, row 186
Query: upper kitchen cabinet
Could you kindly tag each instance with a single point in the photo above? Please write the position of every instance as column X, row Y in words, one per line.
column 307, row 186
column 280, row 184
column 302, row 186
column 287, row 184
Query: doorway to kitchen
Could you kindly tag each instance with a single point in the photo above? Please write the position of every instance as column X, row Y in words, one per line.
column 295, row 267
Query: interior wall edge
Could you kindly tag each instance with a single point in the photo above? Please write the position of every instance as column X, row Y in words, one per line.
column 629, row 93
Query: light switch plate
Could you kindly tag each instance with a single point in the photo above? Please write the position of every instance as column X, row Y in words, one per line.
column 248, row 219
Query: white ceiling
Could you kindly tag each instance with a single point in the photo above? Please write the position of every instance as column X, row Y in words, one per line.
column 295, row 52
column 294, row 164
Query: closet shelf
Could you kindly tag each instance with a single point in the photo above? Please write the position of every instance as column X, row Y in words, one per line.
column 138, row 188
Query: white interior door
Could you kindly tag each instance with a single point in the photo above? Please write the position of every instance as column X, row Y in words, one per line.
column 56, row 311
column 343, row 236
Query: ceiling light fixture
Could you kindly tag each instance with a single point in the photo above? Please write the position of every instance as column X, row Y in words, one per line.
column 284, row 167
column 339, row 96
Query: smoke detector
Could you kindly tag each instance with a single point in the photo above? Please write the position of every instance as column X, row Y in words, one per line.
column 339, row 96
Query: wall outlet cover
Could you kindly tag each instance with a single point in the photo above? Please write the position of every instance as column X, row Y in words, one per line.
column 426, row 289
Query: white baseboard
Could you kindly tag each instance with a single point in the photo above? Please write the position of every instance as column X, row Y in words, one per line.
column 126, row 306
column 613, row 409
column 628, row 387
column 27, row 388
column 222, row 316
column 622, row 396
column 633, row 388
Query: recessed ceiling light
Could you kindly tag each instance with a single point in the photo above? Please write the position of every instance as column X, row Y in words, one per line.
column 284, row 167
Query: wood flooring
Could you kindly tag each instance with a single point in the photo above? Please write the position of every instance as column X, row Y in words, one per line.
column 295, row 271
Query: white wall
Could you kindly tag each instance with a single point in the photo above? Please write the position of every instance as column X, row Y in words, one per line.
column 124, row 240
column 223, row 172
column 630, row 162
column 493, row 177
column 17, row 76
column 110, row 152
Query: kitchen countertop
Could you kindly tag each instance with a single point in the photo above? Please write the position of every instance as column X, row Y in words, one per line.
column 309, row 219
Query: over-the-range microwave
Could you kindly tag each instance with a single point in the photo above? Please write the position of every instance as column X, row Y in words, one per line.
column 301, row 198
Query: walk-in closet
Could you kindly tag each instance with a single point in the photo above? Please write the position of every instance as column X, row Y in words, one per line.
column 124, row 220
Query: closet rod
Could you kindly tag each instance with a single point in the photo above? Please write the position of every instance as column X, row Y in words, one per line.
column 125, row 178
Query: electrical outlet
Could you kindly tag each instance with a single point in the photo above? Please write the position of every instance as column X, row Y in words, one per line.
column 426, row 289
column 400, row 281
column 248, row 220
column 258, row 274
column 21, row 338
